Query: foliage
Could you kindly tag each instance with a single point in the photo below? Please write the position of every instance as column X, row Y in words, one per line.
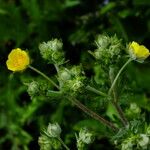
column 28, row 103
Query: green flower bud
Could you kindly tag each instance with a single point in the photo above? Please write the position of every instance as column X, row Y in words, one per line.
column 44, row 143
column 134, row 108
column 133, row 111
column 64, row 74
column 47, row 143
column 71, row 80
column 143, row 141
column 76, row 84
column 76, row 71
column 54, row 130
column 109, row 50
column 86, row 136
column 102, row 41
column 127, row 145
column 52, row 51
column 33, row 88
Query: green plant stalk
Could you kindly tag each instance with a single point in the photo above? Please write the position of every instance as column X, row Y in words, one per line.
column 45, row 76
column 64, row 145
column 93, row 114
column 79, row 104
column 115, row 99
column 117, row 76
column 113, row 89
column 92, row 89
column 121, row 114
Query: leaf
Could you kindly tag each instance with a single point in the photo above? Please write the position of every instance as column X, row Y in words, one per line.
column 107, row 8
column 111, row 112
column 91, row 124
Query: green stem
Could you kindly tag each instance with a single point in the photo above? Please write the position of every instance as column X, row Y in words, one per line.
column 45, row 76
column 56, row 67
column 92, row 114
column 92, row 89
column 117, row 76
column 121, row 114
column 64, row 145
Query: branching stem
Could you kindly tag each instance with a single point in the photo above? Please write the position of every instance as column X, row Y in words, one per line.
column 113, row 89
column 79, row 104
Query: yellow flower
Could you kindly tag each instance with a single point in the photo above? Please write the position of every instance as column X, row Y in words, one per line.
column 138, row 52
column 18, row 60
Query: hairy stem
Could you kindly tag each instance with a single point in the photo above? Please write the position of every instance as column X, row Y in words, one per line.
column 92, row 114
column 64, row 145
column 114, row 90
column 118, row 74
column 121, row 114
column 92, row 89
column 45, row 76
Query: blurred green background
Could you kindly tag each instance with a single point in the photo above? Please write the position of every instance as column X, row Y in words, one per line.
column 26, row 23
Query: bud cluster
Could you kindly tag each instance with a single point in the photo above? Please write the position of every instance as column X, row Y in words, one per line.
column 49, row 140
column 133, row 111
column 85, row 137
column 138, row 141
column 71, row 80
column 109, row 50
column 54, row 130
column 36, row 88
column 135, row 136
column 48, row 143
column 52, row 51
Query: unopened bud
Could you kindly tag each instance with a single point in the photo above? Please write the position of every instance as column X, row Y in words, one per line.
column 86, row 136
column 143, row 141
column 52, row 51
column 33, row 88
column 54, row 130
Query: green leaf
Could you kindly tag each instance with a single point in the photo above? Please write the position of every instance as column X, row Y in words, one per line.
column 91, row 124
column 107, row 8
column 111, row 112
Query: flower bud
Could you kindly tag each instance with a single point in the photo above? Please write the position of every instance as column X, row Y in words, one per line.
column 64, row 74
column 48, row 143
column 134, row 108
column 52, row 51
column 127, row 145
column 33, row 88
column 102, row 41
column 44, row 143
column 133, row 111
column 86, row 136
column 143, row 141
column 76, row 84
column 54, row 130
column 109, row 50
column 71, row 80
column 76, row 71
